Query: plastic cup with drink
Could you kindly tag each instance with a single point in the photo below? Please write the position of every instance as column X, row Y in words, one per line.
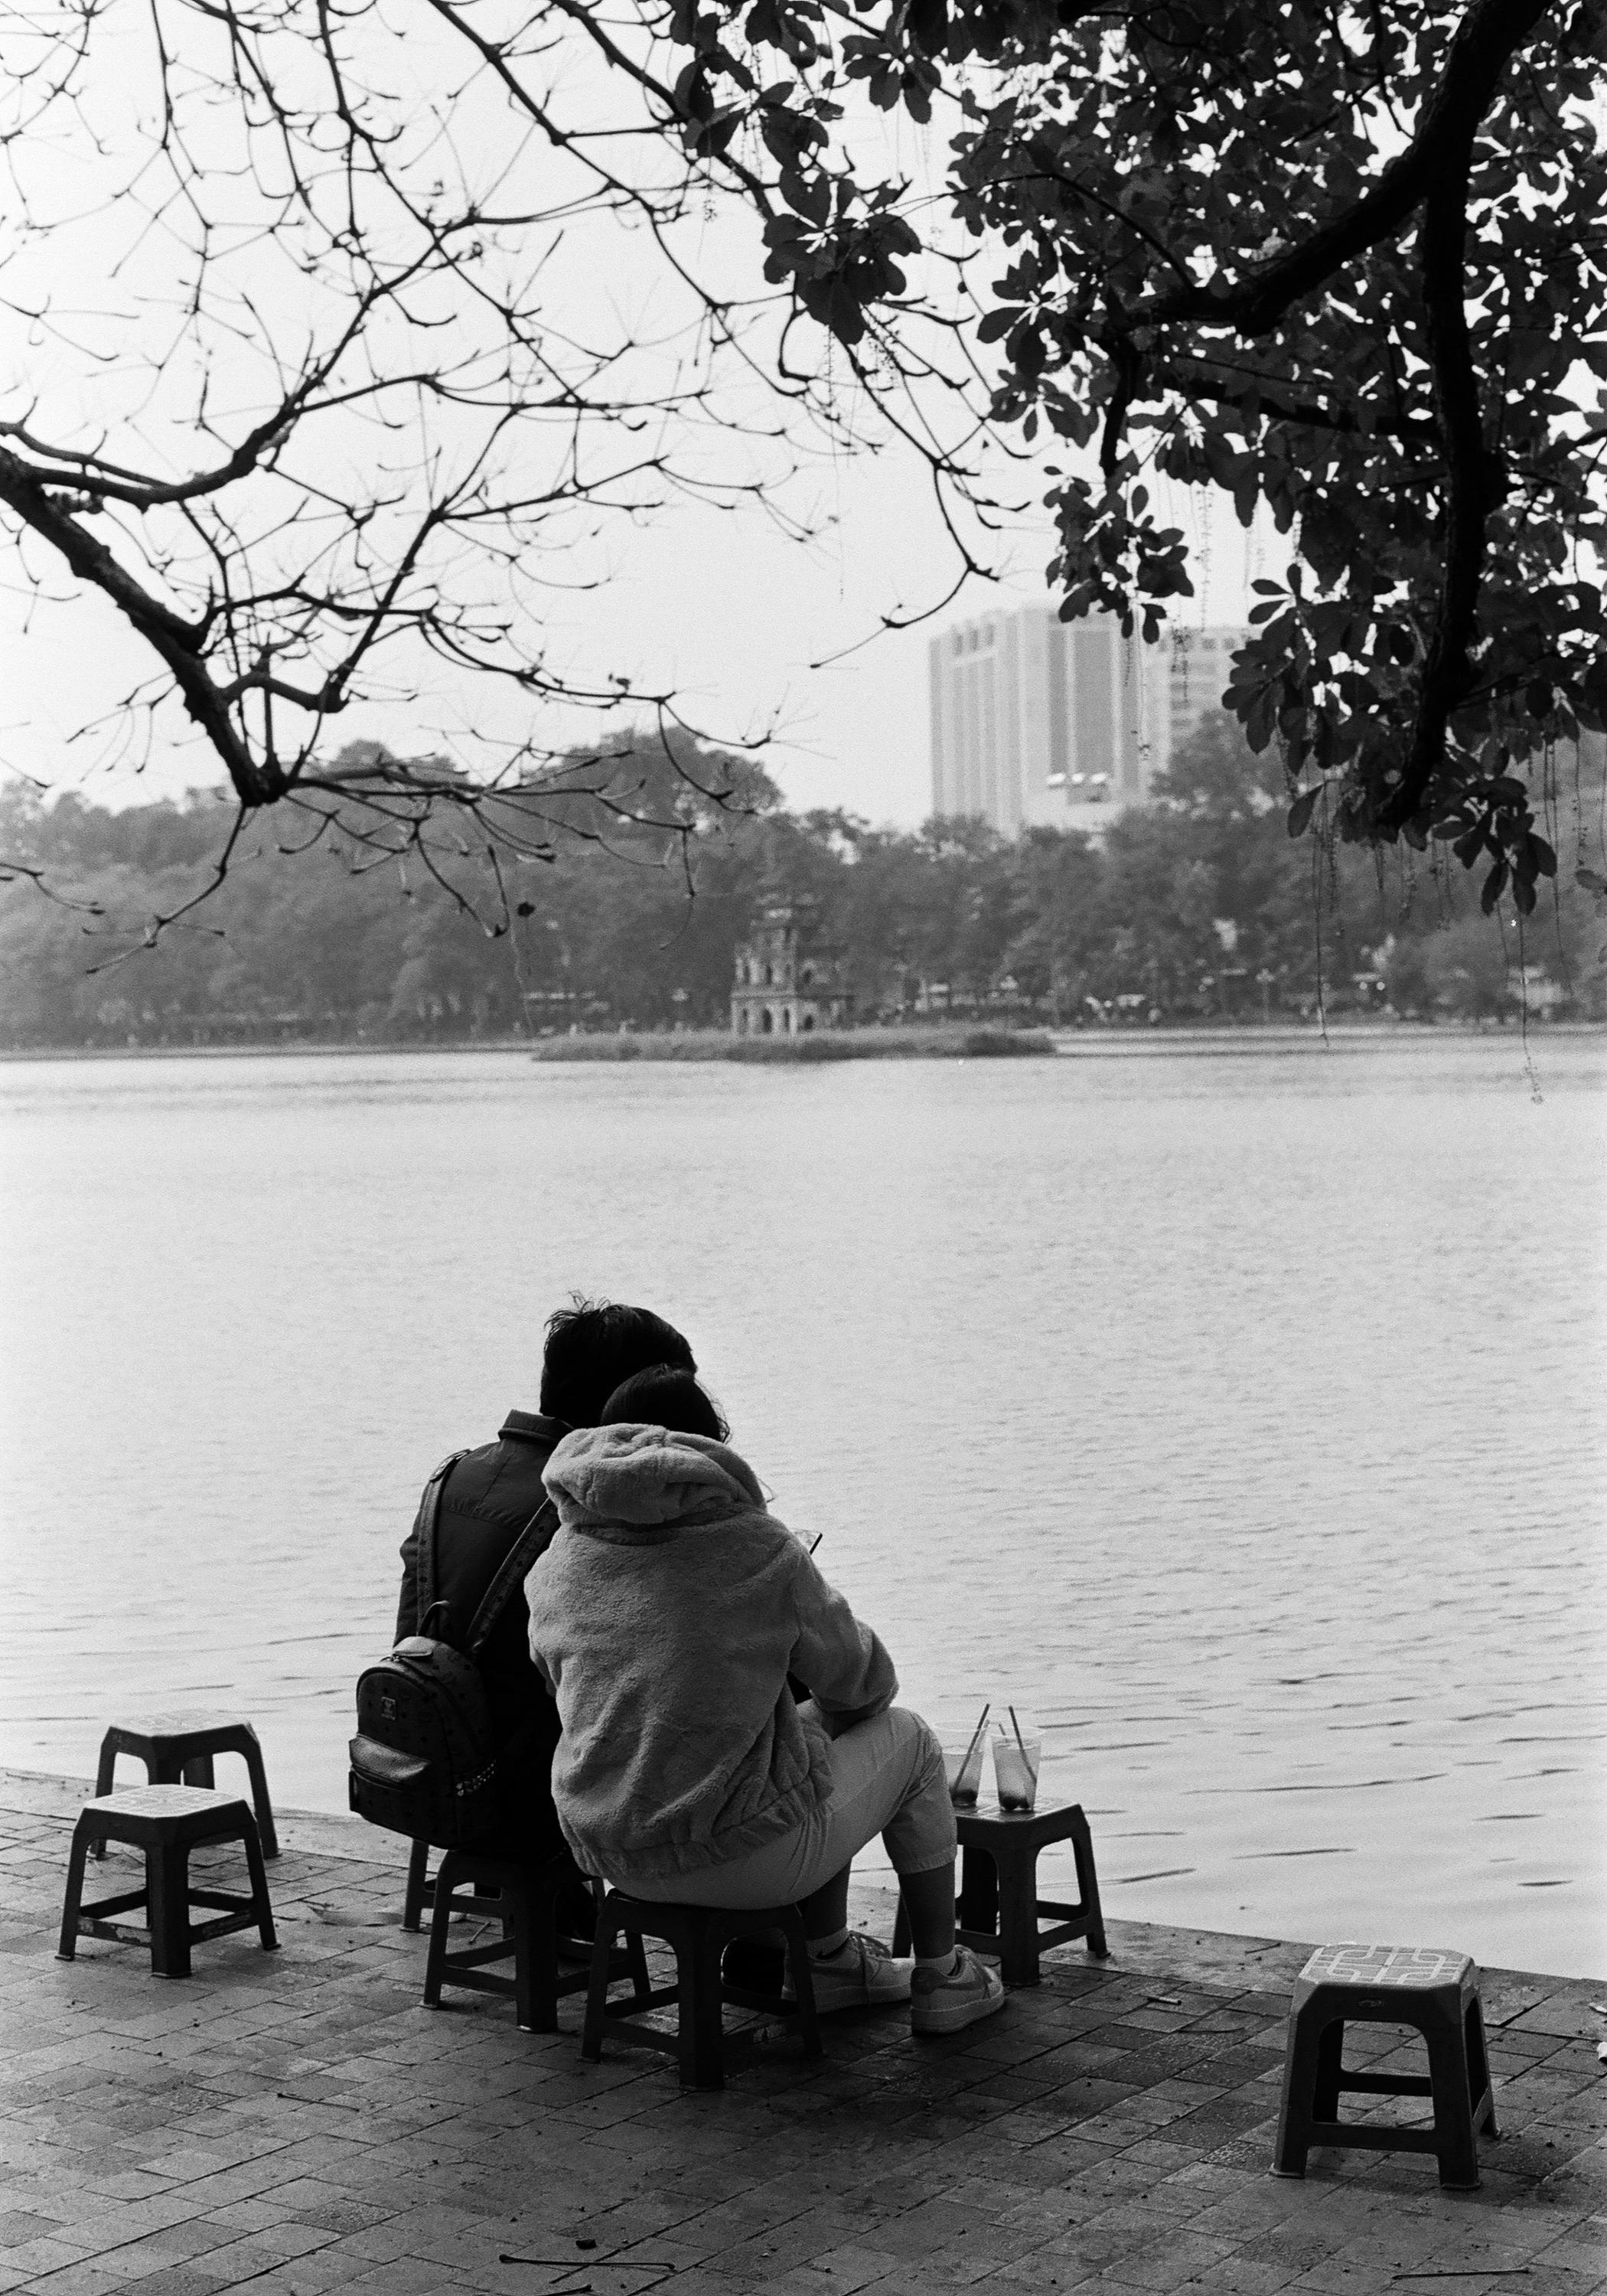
column 1017, row 1753
column 962, row 1761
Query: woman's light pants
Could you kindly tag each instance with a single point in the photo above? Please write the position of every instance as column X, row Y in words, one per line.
column 887, row 1778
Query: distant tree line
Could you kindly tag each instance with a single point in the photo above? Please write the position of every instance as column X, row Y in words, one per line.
column 1200, row 906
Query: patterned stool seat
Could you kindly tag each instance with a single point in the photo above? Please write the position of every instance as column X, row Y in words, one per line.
column 180, row 1746
column 1431, row 1988
column 167, row 1822
column 1372, row 1965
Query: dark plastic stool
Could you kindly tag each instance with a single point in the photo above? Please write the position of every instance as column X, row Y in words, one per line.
column 998, row 1906
column 176, row 1747
column 167, row 1822
column 526, row 1900
column 419, row 1897
column 1387, row 1985
column 698, row 1936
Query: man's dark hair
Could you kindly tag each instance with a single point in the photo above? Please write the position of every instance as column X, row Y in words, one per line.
column 664, row 1398
column 594, row 1345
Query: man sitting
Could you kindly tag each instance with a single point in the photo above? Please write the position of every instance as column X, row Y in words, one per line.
column 488, row 1498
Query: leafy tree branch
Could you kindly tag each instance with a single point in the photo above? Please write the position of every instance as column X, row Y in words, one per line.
column 1397, row 206
column 356, row 402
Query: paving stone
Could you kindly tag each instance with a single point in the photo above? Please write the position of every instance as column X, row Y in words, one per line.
column 298, row 2123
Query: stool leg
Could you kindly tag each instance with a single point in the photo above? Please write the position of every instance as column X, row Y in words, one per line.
column 979, row 1901
column 261, row 1905
column 1087, row 1886
column 803, row 1985
column 534, row 1955
column 68, row 1947
column 1480, row 2083
column 1329, row 2072
column 198, row 1771
column 439, row 1921
column 105, row 1773
column 1295, row 2108
column 703, row 2026
column 418, row 1886
column 596, row 1992
column 636, row 1953
column 1455, row 2144
column 168, row 1898
column 251, row 1748
column 1017, row 1888
column 901, row 1927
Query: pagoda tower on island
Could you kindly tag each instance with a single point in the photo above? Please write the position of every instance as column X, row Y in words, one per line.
column 789, row 980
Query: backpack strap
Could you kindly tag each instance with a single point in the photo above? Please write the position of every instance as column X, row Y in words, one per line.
column 532, row 1540
column 425, row 1524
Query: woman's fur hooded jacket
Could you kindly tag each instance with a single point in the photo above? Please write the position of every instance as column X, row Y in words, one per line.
column 666, row 1616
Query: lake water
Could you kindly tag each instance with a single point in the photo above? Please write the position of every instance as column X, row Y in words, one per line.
column 1237, row 1415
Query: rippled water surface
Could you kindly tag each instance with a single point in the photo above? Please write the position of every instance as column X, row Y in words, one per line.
column 1238, row 1415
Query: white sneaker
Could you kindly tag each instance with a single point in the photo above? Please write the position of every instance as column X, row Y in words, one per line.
column 863, row 1975
column 945, row 2005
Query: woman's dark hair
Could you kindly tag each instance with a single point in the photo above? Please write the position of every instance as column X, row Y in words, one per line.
column 595, row 1344
column 665, row 1398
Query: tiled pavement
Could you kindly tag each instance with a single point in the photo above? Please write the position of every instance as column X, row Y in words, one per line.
column 297, row 2122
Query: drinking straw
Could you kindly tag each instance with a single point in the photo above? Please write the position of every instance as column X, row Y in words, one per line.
column 975, row 1735
column 818, row 1537
column 1016, row 1726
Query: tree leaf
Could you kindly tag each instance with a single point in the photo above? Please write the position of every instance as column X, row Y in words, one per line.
column 1301, row 811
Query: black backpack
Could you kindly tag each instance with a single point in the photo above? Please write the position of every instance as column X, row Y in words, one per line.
column 423, row 1762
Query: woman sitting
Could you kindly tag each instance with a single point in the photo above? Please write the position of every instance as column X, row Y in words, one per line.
column 666, row 1617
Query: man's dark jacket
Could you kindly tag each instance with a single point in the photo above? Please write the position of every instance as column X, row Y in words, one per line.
column 487, row 1500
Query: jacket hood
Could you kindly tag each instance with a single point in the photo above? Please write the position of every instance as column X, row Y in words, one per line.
column 641, row 1475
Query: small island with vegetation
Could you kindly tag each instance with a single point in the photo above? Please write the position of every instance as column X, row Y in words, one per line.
column 935, row 1042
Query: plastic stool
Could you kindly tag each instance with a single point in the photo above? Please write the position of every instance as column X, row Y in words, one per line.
column 418, row 1897
column 698, row 1935
column 176, row 1747
column 526, row 1898
column 167, row 1822
column 1387, row 1985
column 998, row 1906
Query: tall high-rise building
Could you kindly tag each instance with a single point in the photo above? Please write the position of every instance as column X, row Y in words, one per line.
column 1037, row 721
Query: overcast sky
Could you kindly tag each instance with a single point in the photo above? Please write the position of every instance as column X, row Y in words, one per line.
column 720, row 606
